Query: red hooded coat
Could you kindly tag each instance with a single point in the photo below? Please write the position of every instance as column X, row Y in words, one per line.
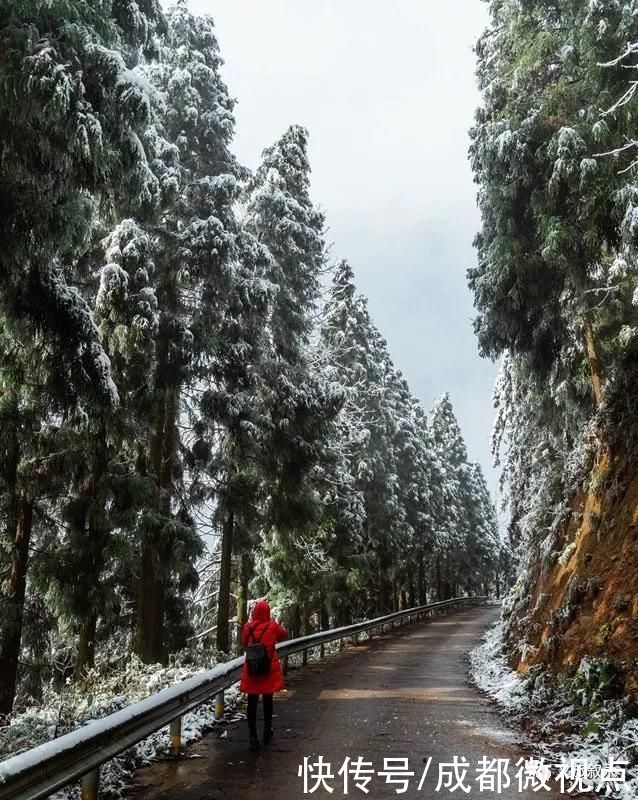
column 268, row 632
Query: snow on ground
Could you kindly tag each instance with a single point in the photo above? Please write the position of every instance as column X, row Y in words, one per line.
column 104, row 695
column 603, row 734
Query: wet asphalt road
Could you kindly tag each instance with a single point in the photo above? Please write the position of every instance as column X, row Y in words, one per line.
column 402, row 695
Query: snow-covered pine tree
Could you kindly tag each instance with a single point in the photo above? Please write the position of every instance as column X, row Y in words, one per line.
column 482, row 549
column 72, row 111
column 212, row 294
column 554, row 212
column 431, row 506
column 299, row 403
column 453, row 527
column 362, row 365
column 280, row 213
column 419, row 487
column 105, row 491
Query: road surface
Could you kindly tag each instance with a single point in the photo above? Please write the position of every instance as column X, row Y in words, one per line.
column 404, row 695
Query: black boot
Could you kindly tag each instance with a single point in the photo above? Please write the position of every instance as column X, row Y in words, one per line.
column 268, row 731
column 251, row 714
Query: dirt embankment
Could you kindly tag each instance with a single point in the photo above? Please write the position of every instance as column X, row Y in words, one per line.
column 582, row 596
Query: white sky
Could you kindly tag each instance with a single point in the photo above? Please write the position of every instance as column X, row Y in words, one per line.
column 387, row 91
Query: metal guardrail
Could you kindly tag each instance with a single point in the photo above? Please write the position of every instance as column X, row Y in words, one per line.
column 40, row 772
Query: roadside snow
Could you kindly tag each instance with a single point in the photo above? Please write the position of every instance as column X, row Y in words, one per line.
column 490, row 672
column 106, row 700
column 615, row 736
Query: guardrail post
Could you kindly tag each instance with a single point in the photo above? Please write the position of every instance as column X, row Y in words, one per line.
column 284, row 665
column 219, row 704
column 175, row 733
column 90, row 784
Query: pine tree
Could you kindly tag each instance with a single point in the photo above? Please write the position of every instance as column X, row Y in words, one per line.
column 195, row 283
column 549, row 278
column 555, row 281
column 106, row 492
column 281, row 215
column 363, row 367
column 72, row 112
column 299, row 404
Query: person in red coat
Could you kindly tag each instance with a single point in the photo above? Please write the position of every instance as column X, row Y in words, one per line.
column 261, row 628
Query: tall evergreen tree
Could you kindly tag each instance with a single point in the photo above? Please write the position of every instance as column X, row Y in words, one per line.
column 195, row 259
column 72, row 112
column 452, row 526
column 548, row 278
column 299, row 405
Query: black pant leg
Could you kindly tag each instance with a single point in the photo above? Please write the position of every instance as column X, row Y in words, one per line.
column 267, row 712
column 253, row 699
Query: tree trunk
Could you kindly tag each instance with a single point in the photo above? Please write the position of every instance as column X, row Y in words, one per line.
column 305, row 628
column 165, row 499
column 225, row 570
column 421, row 581
column 144, row 644
column 85, row 659
column 296, row 621
column 324, row 621
column 243, row 577
column 14, row 602
column 594, row 363
column 152, row 589
column 94, row 539
column 439, row 580
column 380, row 590
column 411, row 594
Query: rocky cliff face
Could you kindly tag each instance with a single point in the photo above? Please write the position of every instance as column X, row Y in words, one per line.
column 578, row 602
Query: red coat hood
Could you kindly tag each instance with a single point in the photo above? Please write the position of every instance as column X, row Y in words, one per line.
column 260, row 612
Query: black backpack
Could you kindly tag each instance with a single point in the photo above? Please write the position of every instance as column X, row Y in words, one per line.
column 257, row 658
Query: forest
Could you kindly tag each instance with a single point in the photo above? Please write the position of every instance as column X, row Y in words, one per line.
column 196, row 408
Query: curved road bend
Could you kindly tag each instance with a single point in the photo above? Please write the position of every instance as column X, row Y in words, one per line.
column 402, row 695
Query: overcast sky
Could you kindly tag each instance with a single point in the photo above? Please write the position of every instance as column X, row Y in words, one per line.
column 387, row 91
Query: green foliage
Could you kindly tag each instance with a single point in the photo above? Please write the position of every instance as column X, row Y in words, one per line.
column 596, row 681
column 555, row 211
